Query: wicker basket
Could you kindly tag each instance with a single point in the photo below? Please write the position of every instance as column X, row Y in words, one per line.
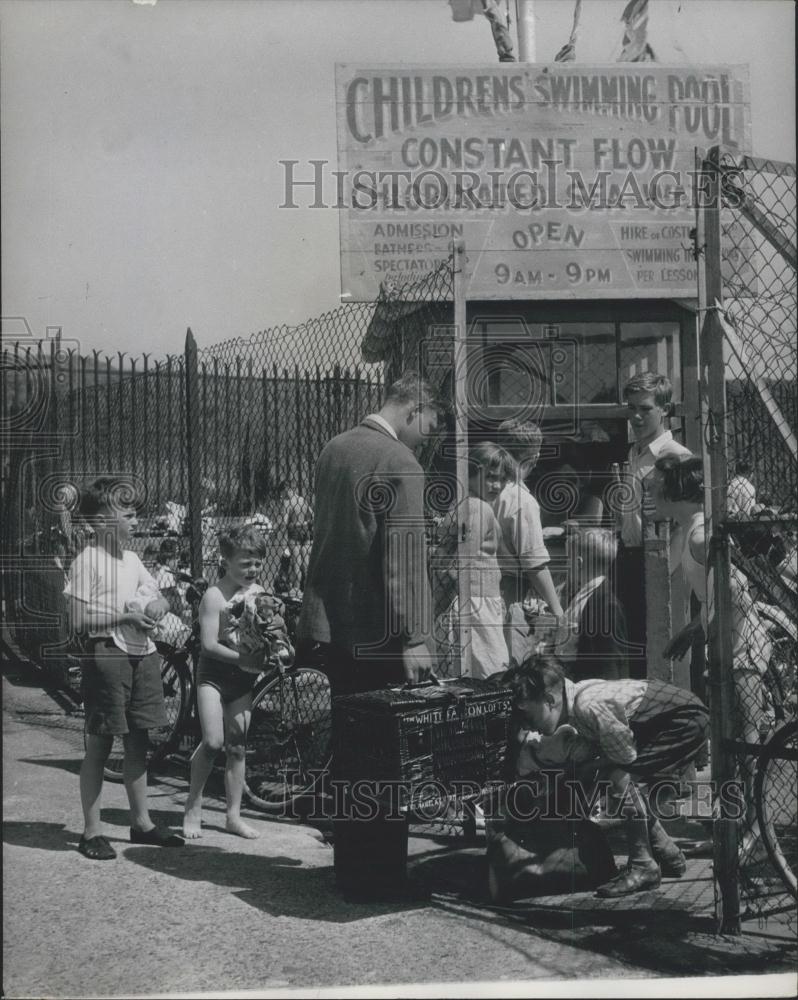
column 453, row 732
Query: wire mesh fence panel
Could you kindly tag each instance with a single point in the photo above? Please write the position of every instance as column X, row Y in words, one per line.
column 32, row 528
column 266, row 406
column 760, row 313
column 758, row 322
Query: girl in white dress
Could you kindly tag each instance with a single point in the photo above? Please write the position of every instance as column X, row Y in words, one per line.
column 489, row 470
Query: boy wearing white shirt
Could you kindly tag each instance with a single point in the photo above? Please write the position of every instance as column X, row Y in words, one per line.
column 122, row 688
column 648, row 402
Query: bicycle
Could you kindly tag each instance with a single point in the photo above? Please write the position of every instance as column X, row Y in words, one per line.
column 775, row 783
column 775, row 777
column 288, row 748
column 288, row 743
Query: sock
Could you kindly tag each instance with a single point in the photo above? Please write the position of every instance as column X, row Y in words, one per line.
column 660, row 841
column 637, row 830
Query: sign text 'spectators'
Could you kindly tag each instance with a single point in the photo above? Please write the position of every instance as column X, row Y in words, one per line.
column 564, row 182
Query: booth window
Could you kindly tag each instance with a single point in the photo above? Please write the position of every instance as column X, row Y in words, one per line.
column 651, row 347
column 567, row 363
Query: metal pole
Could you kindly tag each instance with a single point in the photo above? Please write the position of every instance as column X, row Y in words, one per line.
column 525, row 26
column 719, row 620
column 193, row 458
column 461, row 456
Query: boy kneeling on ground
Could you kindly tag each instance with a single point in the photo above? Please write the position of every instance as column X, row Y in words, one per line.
column 642, row 730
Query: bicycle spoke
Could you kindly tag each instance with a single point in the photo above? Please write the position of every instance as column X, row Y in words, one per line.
column 289, row 737
column 776, row 791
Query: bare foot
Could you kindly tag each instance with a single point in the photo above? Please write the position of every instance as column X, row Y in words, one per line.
column 192, row 823
column 241, row 829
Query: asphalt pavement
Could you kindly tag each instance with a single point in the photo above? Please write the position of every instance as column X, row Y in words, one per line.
column 227, row 914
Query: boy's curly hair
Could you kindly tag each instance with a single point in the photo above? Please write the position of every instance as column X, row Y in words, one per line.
column 242, row 538
column 539, row 673
column 107, row 493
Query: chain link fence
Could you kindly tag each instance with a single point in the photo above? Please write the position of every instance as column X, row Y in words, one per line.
column 265, row 407
column 750, row 443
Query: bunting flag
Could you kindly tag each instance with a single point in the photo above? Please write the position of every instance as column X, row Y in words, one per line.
column 463, row 10
column 635, row 47
column 568, row 52
column 500, row 26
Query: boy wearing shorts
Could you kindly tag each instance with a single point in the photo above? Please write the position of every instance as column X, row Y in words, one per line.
column 642, row 731
column 122, row 689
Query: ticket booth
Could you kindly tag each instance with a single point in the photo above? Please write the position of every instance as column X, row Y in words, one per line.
column 572, row 190
column 562, row 365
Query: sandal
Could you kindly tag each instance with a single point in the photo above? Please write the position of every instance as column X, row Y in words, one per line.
column 96, row 848
column 156, row 837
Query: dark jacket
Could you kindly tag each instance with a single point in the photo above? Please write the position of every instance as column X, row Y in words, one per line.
column 367, row 578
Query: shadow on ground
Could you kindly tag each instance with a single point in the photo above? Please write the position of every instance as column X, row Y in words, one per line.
column 656, row 930
column 70, row 764
column 44, row 836
column 279, row 886
column 56, row 837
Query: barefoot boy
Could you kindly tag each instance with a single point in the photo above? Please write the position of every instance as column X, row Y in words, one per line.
column 226, row 674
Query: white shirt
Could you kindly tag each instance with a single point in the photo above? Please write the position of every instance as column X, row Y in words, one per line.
column 522, row 548
column 105, row 583
column 641, row 462
column 164, row 578
column 741, row 496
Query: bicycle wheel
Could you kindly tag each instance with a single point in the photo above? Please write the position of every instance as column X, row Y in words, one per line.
column 781, row 677
column 776, row 797
column 288, row 744
column 176, row 680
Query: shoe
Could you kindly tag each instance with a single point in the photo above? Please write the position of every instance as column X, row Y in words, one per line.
column 96, row 848
column 629, row 881
column 156, row 837
column 672, row 863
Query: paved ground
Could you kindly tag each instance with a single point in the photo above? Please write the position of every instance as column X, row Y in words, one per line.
column 229, row 914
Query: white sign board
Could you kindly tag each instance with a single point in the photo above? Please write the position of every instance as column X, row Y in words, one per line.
column 564, row 181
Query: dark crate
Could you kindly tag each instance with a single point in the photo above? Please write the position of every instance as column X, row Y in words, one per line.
column 453, row 732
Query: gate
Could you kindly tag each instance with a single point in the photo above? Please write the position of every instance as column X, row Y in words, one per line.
column 746, row 249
